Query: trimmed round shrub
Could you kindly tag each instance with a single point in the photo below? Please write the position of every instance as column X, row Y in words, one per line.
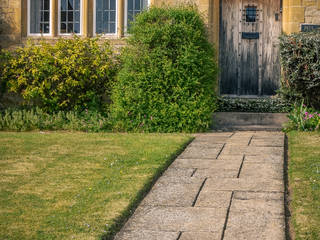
column 300, row 59
column 168, row 75
column 73, row 74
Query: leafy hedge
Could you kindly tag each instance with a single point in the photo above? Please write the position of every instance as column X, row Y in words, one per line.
column 168, row 76
column 73, row 74
column 268, row 105
column 300, row 59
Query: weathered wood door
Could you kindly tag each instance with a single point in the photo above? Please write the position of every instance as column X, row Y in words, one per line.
column 249, row 47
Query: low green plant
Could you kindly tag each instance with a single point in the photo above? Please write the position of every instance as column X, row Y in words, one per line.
column 300, row 60
column 269, row 105
column 37, row 119
column 73, row 74
column 168, row 76
column 303, row 118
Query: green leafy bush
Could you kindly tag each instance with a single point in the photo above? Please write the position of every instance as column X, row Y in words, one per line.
column 73, row 74
column 303, row 118
column 300, row 59
column 4, row 57
column 268, row 105
column 37, row 119
column 168, row 76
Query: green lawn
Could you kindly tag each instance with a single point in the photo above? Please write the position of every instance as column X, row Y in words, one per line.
column 61, row 185
column 304, row 184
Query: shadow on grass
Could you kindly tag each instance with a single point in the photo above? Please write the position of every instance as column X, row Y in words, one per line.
column 127, row 213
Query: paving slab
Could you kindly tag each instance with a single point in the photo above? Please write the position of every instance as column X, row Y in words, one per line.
column 252, row 150
column 177, row 219
column 174, row 194
column 200, row 236
column 216, row 173
column 225, row 185
column 207, row 144
column 213, row 199
column 204, row 163
column 262, row 170
column 143, row 234
column 177, row 179
column 244, row 184
column 266, row 158
column 256, row 216
column 196, row 152
column 178, row 172
column 267, row 142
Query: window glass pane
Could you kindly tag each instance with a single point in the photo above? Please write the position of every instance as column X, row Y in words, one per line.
column 70, row 4
column 63, row 16
column 76, row 5
column 70, row 16
column 137, row 5
column 63, row 28
column 134, row 7
column 39, row 14
column 70, row 27
column 130, row 5
column 112, row 5
column 77, row 16
column 76, row 28
column 105, row 16
column 63, row 5
column 70, row 19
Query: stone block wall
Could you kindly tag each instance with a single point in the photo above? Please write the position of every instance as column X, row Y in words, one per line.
column 10, row 22
column 297, row 12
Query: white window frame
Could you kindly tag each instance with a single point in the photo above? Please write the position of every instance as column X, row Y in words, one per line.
column 59, row 20
column 95, row 21
column 51, row 18
column 126, row 15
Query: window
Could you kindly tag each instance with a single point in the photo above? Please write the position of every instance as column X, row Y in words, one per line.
column 251, row 14
column 134, row 7
column 39, row 17
column 69, row 16
column 105, row 17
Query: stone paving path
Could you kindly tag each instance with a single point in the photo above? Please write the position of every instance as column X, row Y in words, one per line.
column 223, row 186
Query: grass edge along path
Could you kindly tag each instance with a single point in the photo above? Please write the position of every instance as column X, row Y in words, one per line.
column 304, row 185
column 73, row 185
column 127, row 213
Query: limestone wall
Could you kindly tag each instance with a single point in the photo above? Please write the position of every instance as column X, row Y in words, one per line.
column 296, row 12
column 10, row 22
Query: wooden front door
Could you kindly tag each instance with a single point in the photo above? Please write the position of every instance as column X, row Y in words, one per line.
column 249, row 47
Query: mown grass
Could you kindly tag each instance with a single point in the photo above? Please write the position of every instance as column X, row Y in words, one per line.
column 58, row 185
column 304, row 184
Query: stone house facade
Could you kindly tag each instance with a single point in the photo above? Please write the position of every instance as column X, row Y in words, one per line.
column 244, row 31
